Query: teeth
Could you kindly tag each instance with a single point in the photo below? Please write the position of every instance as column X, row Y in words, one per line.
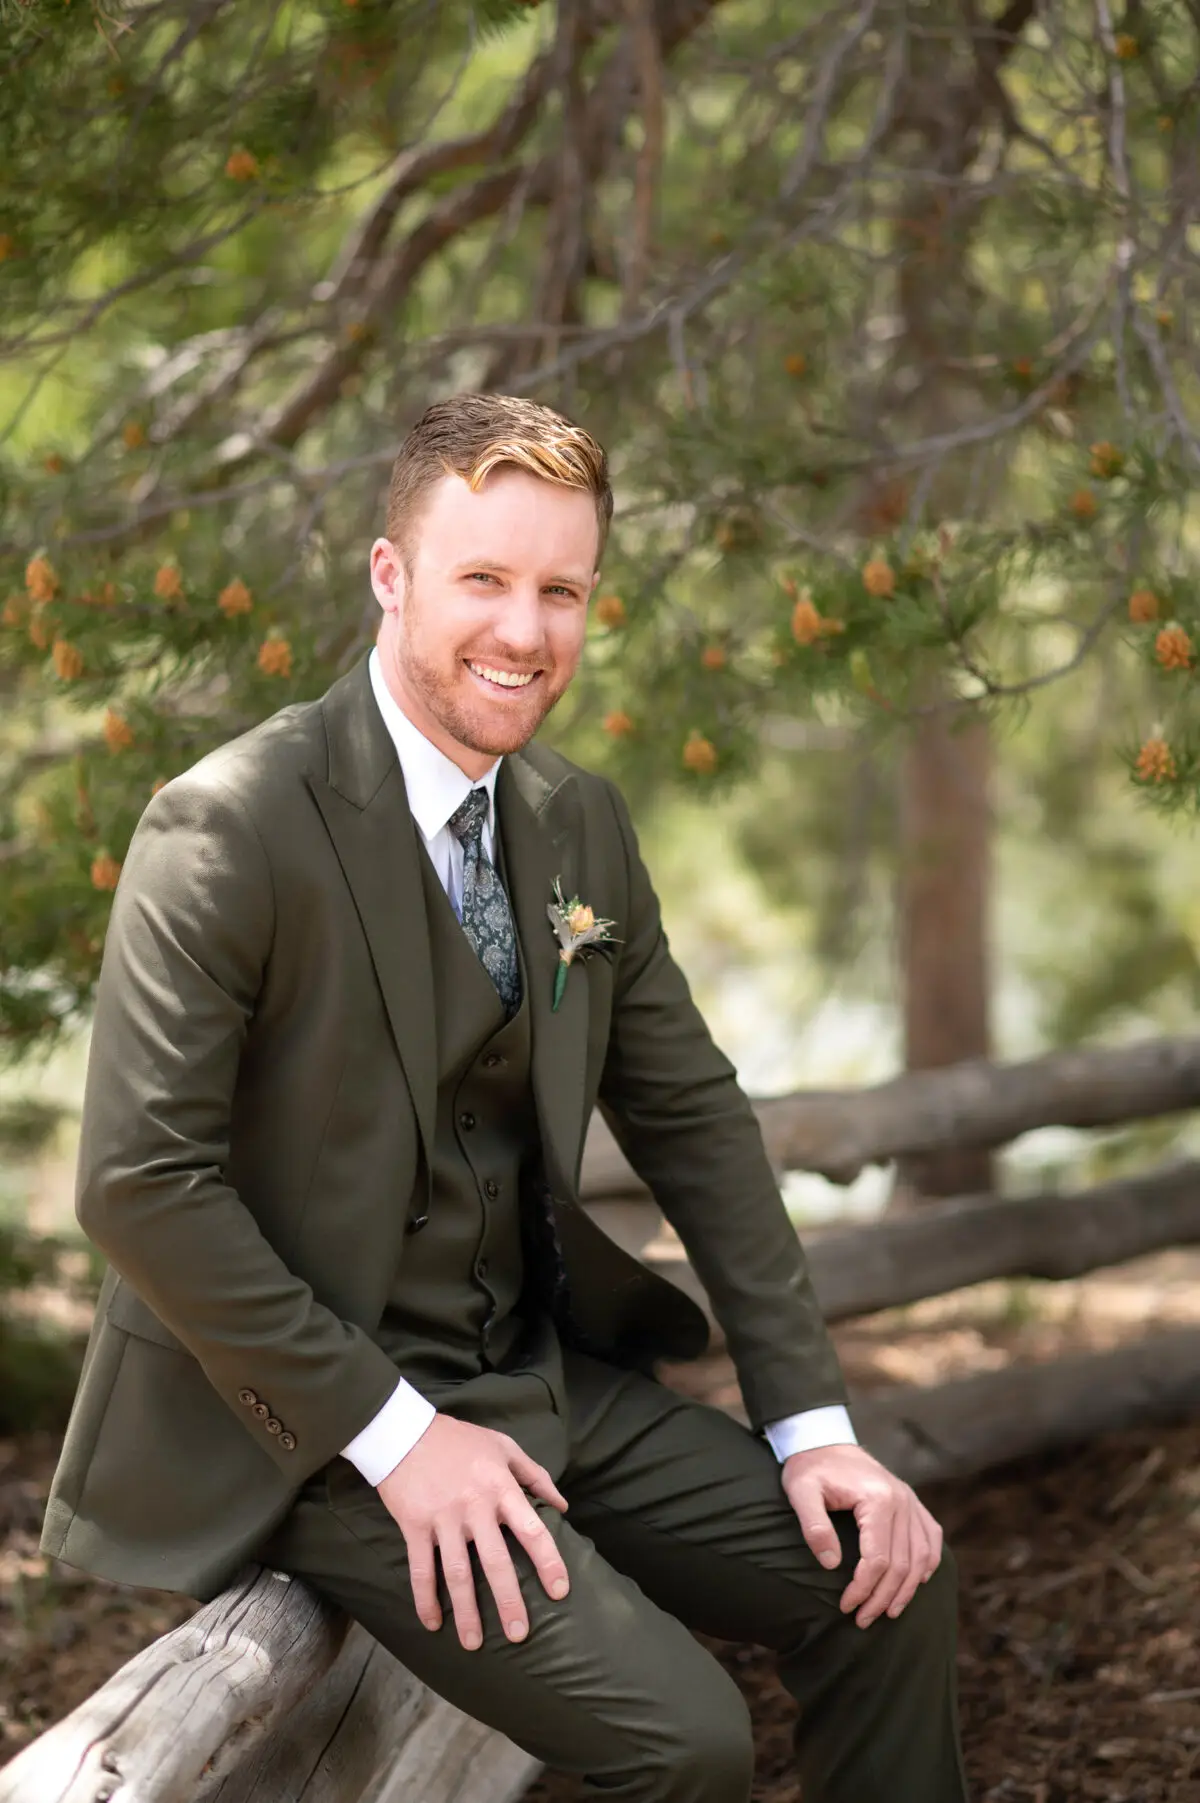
column 504, row 677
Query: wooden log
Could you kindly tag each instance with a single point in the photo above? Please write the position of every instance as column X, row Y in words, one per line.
column 961, row 1428
column 264, row 1693
column 838, row 1132
column 948, row 1245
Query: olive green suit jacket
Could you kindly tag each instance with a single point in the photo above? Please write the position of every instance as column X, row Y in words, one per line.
column 258, row 1114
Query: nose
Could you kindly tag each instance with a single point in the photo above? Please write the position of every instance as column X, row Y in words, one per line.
column 518, row 624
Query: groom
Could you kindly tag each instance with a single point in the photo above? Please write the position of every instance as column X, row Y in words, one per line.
column 355, row 1324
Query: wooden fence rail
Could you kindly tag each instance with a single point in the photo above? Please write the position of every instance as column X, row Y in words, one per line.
column 266, row 1696
column 838, row 1132
column 267, row 1693
column 946, row 1246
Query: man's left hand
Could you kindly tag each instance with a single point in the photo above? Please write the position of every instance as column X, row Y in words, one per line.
column 900, row 1543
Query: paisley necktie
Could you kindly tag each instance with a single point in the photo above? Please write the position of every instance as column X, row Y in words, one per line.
column 486, row 916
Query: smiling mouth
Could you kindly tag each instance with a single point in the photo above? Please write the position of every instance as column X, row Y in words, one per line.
column 502, row 682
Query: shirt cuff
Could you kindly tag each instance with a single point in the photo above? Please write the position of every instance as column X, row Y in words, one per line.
column 394, row 1431
column 811, row 1428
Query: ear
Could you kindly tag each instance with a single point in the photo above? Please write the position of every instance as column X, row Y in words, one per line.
column 387, row 575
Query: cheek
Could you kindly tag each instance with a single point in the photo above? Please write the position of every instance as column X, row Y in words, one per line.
column 565, row 638
column 456, row 632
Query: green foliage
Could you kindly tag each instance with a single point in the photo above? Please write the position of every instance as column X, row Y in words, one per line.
column 889, row 333
column 39, row 1362
column 27, row 1126
column 39, row 1373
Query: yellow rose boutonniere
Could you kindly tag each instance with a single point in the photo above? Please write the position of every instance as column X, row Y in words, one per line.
column 578, row 931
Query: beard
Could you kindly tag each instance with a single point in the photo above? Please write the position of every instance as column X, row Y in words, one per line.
column 447, row 690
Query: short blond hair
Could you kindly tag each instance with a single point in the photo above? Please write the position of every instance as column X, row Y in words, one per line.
column 469, row 435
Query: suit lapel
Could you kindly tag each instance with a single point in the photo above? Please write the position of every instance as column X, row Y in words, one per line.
column 538, row 823
column 365, row 808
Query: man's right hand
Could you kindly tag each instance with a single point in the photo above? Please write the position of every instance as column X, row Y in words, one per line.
column 459, row 1484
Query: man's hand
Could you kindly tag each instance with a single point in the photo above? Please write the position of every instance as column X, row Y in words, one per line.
column 457, row 1485
column 900, row 1544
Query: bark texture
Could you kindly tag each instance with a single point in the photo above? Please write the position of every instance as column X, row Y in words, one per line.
column 948, row 1245
column 264, row 1693
column 838, row 1132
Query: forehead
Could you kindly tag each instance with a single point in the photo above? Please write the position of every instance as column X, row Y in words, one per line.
column 514, row 518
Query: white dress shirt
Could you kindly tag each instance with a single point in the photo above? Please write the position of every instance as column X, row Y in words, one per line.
column 436, row 789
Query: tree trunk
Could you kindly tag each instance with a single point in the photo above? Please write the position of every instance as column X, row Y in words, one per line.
column 942, row 919
column 950, row 99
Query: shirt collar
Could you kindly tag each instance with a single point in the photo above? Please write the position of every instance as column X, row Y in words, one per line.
column 435, row 784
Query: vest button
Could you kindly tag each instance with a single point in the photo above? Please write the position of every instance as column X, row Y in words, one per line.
column 481, row 1268
column 261, row 1410
column 466, row 1121
column 273, row 1426
column 247, row 1396
column 491, row 1188
column 492, row 1060
column 416, row 1224
column 287, row 1441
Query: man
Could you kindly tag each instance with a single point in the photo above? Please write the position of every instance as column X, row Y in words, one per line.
column 355, row 1324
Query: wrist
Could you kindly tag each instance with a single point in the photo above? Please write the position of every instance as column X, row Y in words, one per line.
column 390, row 1434
column 408, row 1451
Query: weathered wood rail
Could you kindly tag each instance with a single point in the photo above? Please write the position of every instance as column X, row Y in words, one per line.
column 838, row 1132
column 948, row 1245
column 266, row 1695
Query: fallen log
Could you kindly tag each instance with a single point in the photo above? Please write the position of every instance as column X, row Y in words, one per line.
column 267, row 1693
column 975, row 1423
column 948, row 1245
column 837, row 1132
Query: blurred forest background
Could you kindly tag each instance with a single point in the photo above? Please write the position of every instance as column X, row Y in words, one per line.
column 886, row 314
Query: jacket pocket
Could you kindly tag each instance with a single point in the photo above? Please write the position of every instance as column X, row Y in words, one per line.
column 127, row 1311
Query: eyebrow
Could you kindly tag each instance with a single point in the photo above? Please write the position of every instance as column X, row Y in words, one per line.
column 503, row 569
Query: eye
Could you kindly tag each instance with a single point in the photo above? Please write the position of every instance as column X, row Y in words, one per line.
column 481, row 576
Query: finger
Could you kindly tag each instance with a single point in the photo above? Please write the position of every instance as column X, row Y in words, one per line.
column 520, row 1515
column 501, row 1575
column 918, row 1560
column 422, row 1574
column 535, row 1477
column 936, row 1539
column 460, row 1582
column 808, row 1500
column 894, row 1572
column 874, row 1550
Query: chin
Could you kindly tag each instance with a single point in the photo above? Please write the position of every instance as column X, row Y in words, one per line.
column 498, row 741
column 492, row 733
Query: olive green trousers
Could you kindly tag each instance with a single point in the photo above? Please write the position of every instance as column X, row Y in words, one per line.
column 677, row 1520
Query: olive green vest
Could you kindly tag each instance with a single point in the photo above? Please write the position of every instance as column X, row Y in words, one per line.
column 454, row 1310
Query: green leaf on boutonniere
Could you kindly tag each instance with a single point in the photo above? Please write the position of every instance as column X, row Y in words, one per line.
column 578, row 931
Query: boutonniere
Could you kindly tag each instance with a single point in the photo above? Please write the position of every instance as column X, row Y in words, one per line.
column 578, row 932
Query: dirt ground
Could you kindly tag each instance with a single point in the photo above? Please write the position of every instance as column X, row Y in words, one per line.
column 1079, row 1660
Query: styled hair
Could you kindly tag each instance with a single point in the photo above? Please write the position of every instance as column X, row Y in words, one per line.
column 469, row 435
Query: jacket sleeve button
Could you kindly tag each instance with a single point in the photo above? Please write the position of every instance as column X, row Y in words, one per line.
column 247, row 1396
column 287, row 1441
column 273, row 1426
column 261, row 1410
